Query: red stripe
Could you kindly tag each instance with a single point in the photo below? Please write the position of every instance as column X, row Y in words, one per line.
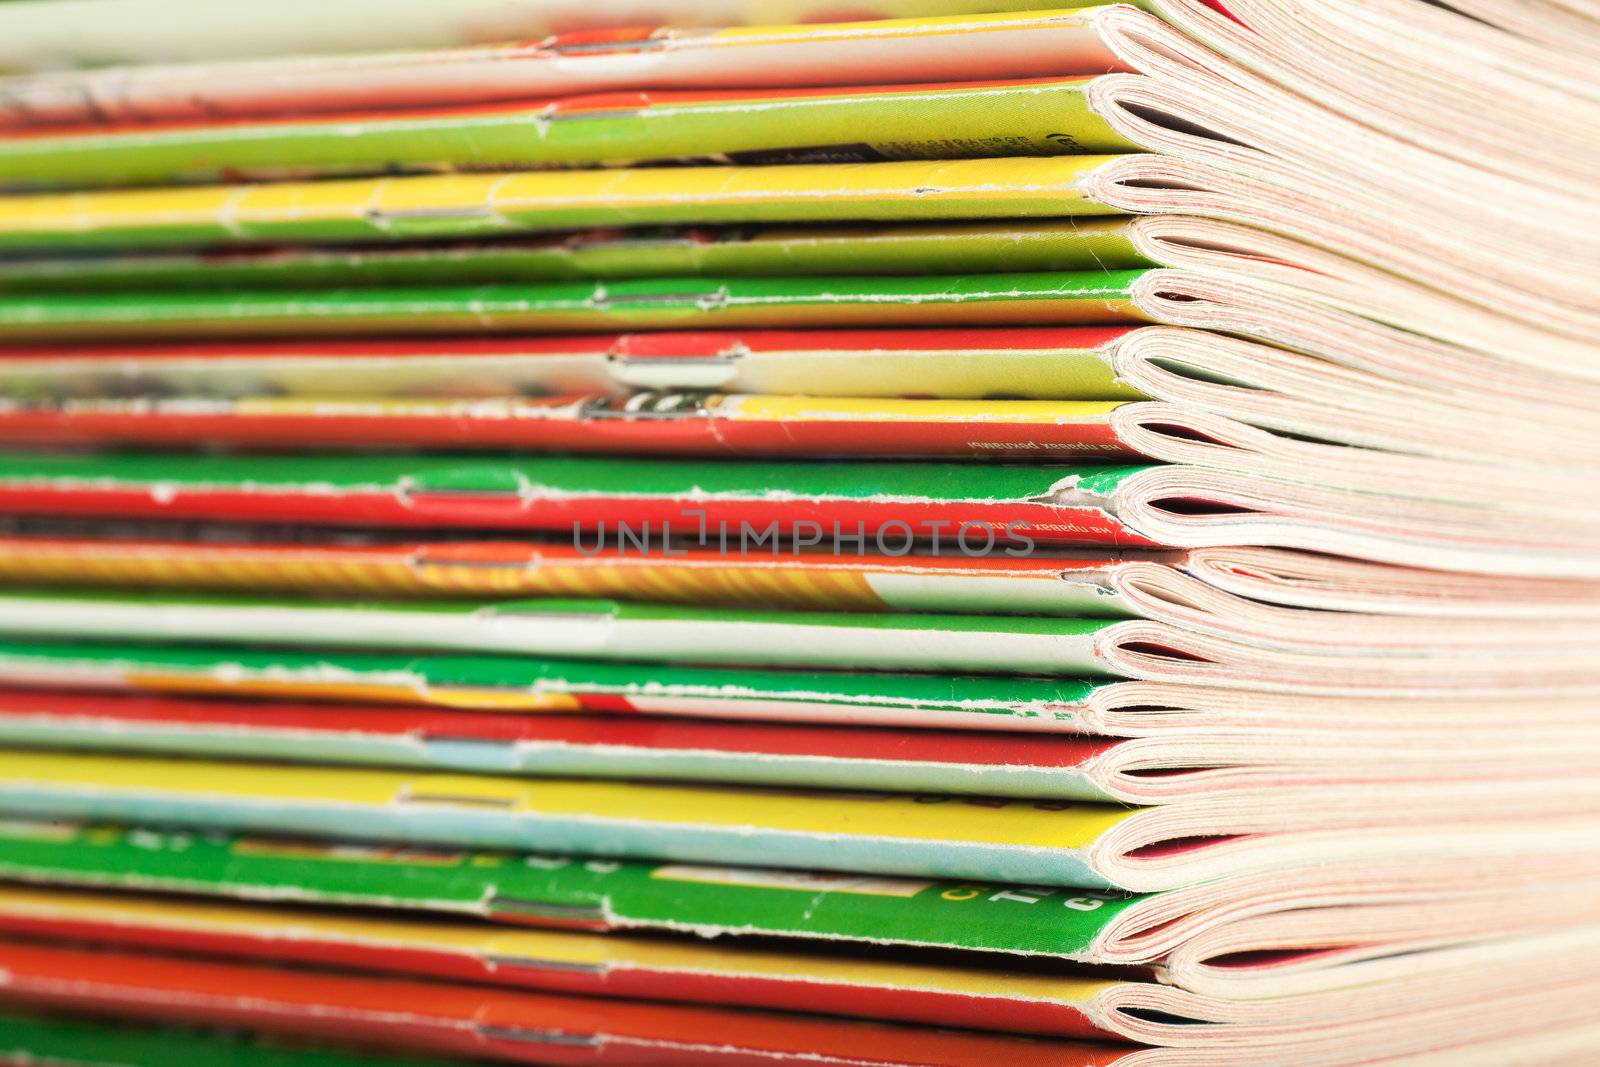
column 686, row 345
column 662, row 735
column 616, row 978
column 691, row 435
column 476, row 1021
column 547, row 107
column 1044, row 523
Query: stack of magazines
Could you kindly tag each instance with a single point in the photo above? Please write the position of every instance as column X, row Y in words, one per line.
column 968, row 537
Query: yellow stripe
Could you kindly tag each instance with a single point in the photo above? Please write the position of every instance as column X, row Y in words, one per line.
column 78, row 212
column 1033, row 186
column 857, row 409
column 1004, row 823
column 894, row 28
column 356, row 693
column 163, row 682
column 653, row 579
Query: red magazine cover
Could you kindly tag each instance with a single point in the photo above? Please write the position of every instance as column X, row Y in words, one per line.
column 510, row 1025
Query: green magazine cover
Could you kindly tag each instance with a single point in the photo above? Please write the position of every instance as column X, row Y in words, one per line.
column 563, row 891
column 736, row 251
column 673, row 303
column 61, row 1041
column 597, row 629
column 525, row 684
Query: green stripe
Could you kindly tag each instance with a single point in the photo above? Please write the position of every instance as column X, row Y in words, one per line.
column 937, row 914
column 997, row 695
column 573, row 607
column 81, row 1043
column 586, row 475
column 636, row 303
column 1049, row 245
